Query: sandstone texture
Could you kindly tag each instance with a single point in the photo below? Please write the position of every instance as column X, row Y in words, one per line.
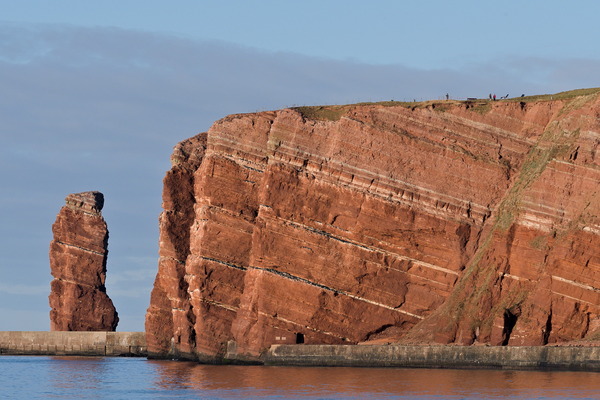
column 78, row 264
column 439, row 222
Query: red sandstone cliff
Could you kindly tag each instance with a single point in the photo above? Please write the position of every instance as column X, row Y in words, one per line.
column 447, row 222
column 78, row 264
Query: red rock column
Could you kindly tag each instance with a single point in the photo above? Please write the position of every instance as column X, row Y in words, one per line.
column 78, row 264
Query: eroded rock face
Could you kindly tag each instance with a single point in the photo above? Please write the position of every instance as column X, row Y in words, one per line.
column 78, row 264
column 438, row 223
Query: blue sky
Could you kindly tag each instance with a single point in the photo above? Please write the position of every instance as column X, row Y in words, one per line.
column 429, row 35
column 96, row 94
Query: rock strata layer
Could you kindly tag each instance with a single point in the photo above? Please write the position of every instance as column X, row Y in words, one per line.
column 78, row 254
column 448, row 222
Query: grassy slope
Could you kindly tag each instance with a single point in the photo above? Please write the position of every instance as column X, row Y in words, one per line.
column 466, row 304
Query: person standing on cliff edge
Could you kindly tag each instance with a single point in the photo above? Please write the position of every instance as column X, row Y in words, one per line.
column 494, row 96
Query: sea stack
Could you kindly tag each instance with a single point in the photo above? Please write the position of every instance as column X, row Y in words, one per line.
column 78, row 254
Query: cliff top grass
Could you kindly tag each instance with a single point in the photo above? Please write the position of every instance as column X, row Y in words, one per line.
column 335, row 112
column 557, row 96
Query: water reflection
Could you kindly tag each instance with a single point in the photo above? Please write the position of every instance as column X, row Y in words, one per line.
column 76, row 373
column 121, row 378
column 254, row 381
column 171, row 375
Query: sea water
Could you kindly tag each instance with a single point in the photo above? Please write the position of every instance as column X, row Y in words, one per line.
column 138, row 378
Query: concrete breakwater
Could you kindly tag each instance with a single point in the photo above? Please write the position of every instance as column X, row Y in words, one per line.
column 436, row 356
column 61, row 343
column 497, row 357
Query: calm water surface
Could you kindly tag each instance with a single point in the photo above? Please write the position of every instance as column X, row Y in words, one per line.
column 138, row 378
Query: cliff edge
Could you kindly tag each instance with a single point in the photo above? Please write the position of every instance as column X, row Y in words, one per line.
column 438, row 222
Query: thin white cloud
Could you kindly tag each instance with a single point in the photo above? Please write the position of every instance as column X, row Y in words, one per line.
column 24, row 290
column 102, row 108
column 131, row 276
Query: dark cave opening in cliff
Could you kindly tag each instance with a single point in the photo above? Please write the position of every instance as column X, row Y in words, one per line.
column 510, row 320
column 299, row 338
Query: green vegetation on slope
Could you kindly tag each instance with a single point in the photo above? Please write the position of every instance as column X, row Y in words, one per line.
column 558, row 96
column 476, row 285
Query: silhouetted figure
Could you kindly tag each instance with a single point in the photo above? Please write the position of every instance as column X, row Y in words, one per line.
column 447, row 96
column 494, row 97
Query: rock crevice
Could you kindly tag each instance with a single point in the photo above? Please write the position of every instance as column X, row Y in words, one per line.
column 384, row 223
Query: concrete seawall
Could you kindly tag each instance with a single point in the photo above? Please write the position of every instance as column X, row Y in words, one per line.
column 543, row 357
column 134, row 344
column 73, row 343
